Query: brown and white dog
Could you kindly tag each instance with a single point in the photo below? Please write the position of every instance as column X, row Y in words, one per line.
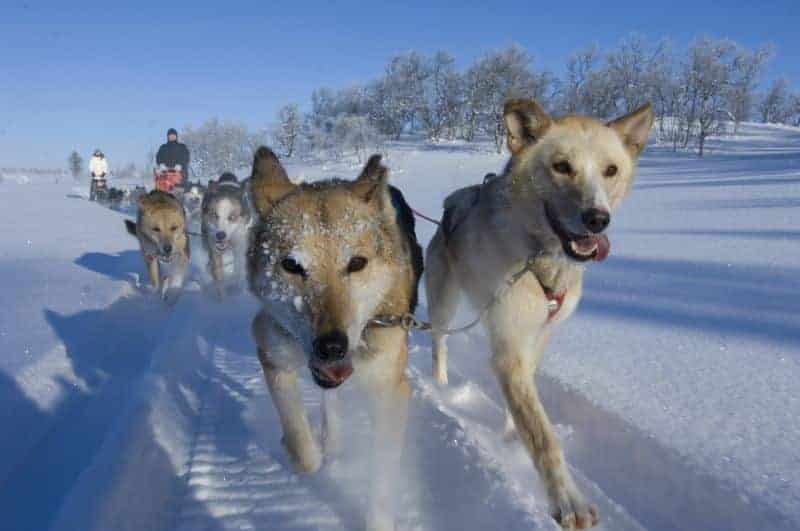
column 160, row 228
column 545, row 215
column 326, row 259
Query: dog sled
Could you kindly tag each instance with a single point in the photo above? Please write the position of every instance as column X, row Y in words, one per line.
column 167, row 179
column 98, row 189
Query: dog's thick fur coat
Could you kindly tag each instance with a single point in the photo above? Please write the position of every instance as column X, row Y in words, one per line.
column 325, row 259
column 548, row 208
column 225, row 220
column 160, row 228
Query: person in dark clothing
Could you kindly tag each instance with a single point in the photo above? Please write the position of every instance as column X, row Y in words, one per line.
column 173, row 154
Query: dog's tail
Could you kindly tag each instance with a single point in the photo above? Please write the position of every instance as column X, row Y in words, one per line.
column 131, row 227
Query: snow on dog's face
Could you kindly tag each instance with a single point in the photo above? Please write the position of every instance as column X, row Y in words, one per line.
column 327, row 253
column 161, row 221
column 580, row 167
column 224, row 215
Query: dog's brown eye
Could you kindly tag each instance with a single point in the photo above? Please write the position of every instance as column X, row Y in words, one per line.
column 173, row 228
column 357, row 263
column 563, row 167
column 290, row 265
column 611, row 171
column 156, row 229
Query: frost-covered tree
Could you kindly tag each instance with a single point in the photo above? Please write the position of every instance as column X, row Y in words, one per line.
column 745, row 73
column 382, row 109
column 442, row 98
column 290, row 123
column 775, row 104
column 706, row 76
column 75, row 162
column 493, row 79
column 581, row 66
column 353, row 134
column 217, row 147
column 404, row 88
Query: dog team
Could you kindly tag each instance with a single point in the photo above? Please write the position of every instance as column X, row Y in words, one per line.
column 336, row 266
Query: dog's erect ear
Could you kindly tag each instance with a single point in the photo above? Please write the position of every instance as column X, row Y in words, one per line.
column 131, row 227
column 526, row 122
column 268, row 182
column 634, row 128
column 373, row 178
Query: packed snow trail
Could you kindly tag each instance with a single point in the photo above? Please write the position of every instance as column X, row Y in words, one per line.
column 238, row 476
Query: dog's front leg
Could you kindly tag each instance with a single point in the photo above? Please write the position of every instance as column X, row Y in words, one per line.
column 152, row 270
column 285, row 392
column 514, row 359
column 173, row 286
column 389, row 390
column 331, row 428
column 217, row 273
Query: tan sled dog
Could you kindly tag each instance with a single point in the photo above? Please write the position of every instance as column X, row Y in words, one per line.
column 161, row 230
column 517, row 247
column 327, row 259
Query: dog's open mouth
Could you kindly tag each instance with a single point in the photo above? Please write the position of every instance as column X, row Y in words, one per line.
column 330, row 375
column 166, row 258
column 579, row 247
column 222, row 246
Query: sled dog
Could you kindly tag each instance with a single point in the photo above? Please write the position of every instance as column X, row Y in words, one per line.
column 326, row 259
column 225, row 220
column 517, row 246
column 160, row 228
column 192, row 199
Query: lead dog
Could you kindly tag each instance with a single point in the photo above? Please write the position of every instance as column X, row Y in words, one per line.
column 327, row 259
column 160, row 228
column 517, row 247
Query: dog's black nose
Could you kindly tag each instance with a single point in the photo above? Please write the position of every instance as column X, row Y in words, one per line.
column 220, row 236
column 331, row 346
column 595, row 219
column 167, row 248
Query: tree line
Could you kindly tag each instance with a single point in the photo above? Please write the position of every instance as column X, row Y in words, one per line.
column 695, row 92
column 707, row 88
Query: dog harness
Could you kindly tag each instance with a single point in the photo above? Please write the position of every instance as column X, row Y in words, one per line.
column 409, row 322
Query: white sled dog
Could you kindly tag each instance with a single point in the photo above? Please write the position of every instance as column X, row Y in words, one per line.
column 225, row 220
column 160, row 228
column 517, row 247
column 327, row 260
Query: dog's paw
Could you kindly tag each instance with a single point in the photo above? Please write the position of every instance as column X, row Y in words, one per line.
column 171, row 295
column 306, row 457
column 572, row 512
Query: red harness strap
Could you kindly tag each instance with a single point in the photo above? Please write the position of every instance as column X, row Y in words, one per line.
column 149, row 257
column 554, row 302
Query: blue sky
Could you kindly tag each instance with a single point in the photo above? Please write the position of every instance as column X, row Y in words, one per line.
column 80, row 75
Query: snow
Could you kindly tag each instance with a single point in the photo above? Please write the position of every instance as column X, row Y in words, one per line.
column 674, row 386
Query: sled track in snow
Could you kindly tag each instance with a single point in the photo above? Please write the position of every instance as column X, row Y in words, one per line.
column 459, row 472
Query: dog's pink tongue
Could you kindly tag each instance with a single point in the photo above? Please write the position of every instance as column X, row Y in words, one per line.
column 603, row 247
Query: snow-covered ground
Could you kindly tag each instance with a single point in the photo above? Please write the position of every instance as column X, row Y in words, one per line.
column 675, row 385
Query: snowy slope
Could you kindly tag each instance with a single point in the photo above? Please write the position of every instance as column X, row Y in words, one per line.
column 674, row 385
